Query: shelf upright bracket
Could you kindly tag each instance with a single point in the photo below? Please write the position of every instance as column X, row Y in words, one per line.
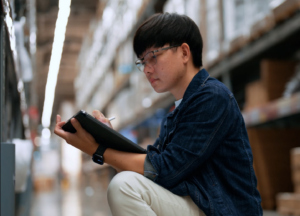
column 7, row 150
column 1, row 96
column 226, row 80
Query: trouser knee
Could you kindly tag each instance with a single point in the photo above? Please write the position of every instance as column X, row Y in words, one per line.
column 122, row 182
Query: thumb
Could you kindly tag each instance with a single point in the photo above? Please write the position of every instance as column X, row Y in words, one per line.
column 76, row 124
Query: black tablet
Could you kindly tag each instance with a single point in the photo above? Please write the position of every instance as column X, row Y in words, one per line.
column 103, row 134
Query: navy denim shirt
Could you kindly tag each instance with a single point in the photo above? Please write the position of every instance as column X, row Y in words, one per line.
column 203, row 151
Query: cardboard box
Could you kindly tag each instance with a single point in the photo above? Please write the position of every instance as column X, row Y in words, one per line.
column 262, row 26
column 238, row 42
column 286, row 9
column 295, row 158
column 274, row 76
column 255, row 95
column 296, row 176
column 286, row 203
column 271, row 156
column 297, row 188
column 43, row 184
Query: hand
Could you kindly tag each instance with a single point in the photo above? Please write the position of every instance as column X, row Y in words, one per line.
column 82, row 140
column 99, row 116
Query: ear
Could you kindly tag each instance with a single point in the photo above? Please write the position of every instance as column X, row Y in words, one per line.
column 186, row 52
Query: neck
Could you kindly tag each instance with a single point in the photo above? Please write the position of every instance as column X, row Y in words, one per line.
column 181, row 87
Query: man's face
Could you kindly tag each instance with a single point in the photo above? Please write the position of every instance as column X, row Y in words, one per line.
column 168, row 70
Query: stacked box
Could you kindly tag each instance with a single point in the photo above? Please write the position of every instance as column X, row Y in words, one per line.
column 262, row 26
column 271, row 155
column 286, row 9
column 288, row 204
column 43, row 184
column 255, row 95
column 295, row 166
column 274, row 76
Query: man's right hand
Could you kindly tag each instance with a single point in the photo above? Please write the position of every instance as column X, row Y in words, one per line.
column 99, row 116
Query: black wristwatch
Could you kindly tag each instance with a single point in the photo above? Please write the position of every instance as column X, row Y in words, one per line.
column 98, row 155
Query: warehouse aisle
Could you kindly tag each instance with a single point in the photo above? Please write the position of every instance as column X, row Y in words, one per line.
column 75, row 201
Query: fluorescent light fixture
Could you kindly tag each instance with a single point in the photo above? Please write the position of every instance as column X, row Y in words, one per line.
column 46, row 133
column 58, row 43
column 275, row 3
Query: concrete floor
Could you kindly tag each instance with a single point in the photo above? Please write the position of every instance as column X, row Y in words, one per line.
column 78, row 200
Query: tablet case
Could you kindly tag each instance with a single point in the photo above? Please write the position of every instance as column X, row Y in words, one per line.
column 103, row 134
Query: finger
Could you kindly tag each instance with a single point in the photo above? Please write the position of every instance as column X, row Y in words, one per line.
column 97, row 114
column 59, row 131
column 60, row 124
column 76, row 124
column 106, row 122
column 58, row 119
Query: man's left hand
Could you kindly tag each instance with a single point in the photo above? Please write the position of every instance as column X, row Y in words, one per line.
column 82, row 140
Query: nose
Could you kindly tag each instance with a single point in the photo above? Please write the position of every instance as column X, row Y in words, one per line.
column 148, row 69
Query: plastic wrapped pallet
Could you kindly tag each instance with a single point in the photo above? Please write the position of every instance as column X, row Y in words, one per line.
column 213, row 29
column 262, row 19
column 245, row 20
column 236, row 27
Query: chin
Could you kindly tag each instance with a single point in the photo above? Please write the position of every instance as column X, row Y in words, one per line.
column 158, row 90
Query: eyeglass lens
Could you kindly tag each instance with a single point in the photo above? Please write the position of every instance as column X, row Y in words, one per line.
column 149, row 59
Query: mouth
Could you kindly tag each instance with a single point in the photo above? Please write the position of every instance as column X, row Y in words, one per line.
column 152, row 80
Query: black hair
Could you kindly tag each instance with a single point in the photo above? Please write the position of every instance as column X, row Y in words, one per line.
column 172, row 29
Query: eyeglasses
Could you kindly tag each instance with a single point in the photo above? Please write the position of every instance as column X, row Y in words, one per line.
column 150, row 59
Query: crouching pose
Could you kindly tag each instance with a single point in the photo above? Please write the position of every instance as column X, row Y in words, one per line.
column 201, row 162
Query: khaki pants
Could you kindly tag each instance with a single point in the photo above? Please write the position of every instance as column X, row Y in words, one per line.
column 130, row 193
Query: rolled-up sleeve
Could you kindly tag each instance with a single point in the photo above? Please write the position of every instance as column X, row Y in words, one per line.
column 149, row 170
column 202, row 127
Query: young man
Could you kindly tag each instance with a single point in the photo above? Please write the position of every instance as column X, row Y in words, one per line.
column 201, row 163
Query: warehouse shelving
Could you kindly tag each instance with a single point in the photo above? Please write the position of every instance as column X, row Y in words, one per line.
column 236, row 61
column 266, row 45
column 278, row 109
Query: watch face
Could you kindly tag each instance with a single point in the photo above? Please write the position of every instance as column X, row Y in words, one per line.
column 98, row 159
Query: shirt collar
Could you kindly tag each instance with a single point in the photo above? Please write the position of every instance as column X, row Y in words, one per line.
column 199, row 79
column 177, row 103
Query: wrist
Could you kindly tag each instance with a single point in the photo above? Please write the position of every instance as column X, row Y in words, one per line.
column 98, row 156
column 93, row 149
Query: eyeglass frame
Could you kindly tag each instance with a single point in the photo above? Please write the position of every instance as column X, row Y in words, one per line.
column 153, row 51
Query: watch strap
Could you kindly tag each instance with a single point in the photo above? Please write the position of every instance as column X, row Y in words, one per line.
column 99, row 152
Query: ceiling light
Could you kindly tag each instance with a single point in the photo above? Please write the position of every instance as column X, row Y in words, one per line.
column 59, row 38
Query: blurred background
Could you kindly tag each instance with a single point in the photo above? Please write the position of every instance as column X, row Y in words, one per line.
column 60, row 56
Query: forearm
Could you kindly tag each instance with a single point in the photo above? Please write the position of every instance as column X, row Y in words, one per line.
column 125, row 161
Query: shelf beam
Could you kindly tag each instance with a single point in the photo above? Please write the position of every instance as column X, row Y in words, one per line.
column 258, row 47
column 277, row 109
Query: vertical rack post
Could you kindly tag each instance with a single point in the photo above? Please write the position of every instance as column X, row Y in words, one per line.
column 1, row 86
column 7, row 150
